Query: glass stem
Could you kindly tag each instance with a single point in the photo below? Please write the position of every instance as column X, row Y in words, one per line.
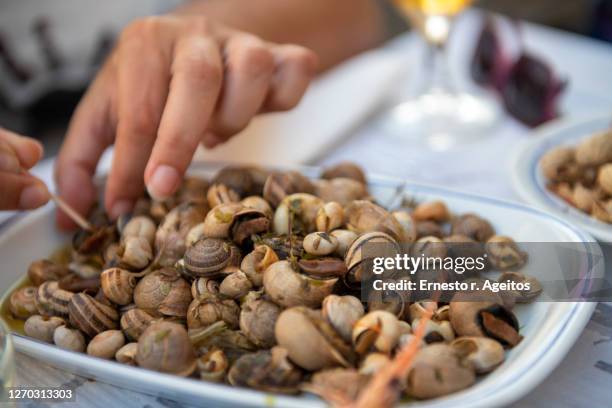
column 437, row 74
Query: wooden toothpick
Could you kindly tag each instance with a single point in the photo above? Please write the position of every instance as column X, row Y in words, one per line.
column 72, row 213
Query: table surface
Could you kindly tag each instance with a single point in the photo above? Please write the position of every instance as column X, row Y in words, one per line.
column 586, row 372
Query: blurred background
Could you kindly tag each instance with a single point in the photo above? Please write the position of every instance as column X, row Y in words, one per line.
column 50, row 50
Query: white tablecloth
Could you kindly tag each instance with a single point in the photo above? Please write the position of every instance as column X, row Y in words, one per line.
column 584, row 377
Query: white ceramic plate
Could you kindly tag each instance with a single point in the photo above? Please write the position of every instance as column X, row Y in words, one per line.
column 529, row 182
column 549, row 328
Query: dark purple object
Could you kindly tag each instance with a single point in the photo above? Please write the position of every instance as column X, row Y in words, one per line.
column 487, row 64
column 531, row 91
column 528, row 86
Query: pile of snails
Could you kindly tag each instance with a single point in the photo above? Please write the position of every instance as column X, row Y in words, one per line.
column 252, row 279
column 582, row 175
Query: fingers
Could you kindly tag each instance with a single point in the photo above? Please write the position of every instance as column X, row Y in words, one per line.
column 143, row 77
column 196, row 82
column 296, row 66
column 20, row 151
column 249, row 69
column 89, row 134
column 21, row 192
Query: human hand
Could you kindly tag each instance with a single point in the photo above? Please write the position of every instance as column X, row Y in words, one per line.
column 19, row 190
column 171, row 83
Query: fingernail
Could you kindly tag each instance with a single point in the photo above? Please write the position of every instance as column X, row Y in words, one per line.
column 33, row 197
column 164, row 182
column 8, row 162
column 119, row 208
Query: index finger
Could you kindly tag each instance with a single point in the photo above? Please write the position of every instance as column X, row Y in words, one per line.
column 197, row 73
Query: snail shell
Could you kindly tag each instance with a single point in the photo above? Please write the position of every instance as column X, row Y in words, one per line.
column 244, row 180
column 235, row 285
column 209, row 256
column 342, row 312
column 135, row 253
column 256, row 262
column 342, row 190
column 554, row 162
column 279, row 185
column 140, row 226
column 201, row 286
column 210, row 308
column 320, row 243
column 407, row 223
column 287, row 287
column 372, row 363
column 219, row 220
column 106, row 344
column 163, row 292
column 172, row 233
column 248, row 222
column 298, row 210
column 484, row 318
column 437, row 370
column 595, row 150
column 329, row 217
column 165, row 347
column 134, row 322
column 195, row 234
column 604, row 177
column 221, row 194
column 379, row 330
column 91, row 316
column 257, row 319
column 275, row 372
column 364, row 216
column 42, row 327
column 310, row 341
column 258, row 203
column 51, row 300
column 213, row 365
column 431, row 211
column 22, row 302
column 472, row 226
column 345, row 239
column 504, row 253
column 483, row 353
column 44, row 270
column 127, row 354
column 69, row 339
column 354, row 256
column 193, row 190
column 118, row 285
column 345, row 170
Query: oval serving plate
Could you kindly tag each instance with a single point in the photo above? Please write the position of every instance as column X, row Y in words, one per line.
column 529, row 182
column 549, row 328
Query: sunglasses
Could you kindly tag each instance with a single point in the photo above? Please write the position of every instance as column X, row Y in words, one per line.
column 529, row 88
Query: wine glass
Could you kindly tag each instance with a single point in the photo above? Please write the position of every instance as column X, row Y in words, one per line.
column 7, row 367
column 439, row 115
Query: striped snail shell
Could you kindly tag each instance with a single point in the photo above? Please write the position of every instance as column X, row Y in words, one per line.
column 134, row 322
column 163, row 292
column 91, row 316
column 118, row 285
column 22, row 302
column 51, row 300
column 209, row 256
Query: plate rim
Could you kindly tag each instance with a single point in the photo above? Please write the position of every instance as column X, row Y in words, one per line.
column 524, row 173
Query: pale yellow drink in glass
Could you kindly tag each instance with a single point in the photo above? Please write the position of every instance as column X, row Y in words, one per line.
column 432, row 17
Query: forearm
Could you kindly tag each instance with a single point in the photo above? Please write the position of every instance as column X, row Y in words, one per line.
column 334, row 29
